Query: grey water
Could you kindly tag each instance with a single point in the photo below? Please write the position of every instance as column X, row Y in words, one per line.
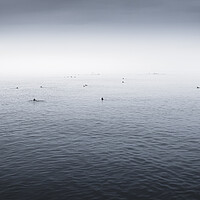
column 141, row 142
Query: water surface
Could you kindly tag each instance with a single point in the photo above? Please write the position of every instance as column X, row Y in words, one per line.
column 141, row 142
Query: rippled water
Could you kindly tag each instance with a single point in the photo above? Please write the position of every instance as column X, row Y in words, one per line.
column 141, row 142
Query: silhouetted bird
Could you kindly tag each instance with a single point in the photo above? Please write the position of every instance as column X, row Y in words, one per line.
column 34, row 99
column 102, row 99
column 198, row 87
column 17, row 88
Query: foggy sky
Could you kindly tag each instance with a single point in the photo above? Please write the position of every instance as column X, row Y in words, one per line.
column 130, row 12
column 83, row 36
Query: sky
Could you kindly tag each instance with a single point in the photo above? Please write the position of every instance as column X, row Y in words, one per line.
column 48, row 37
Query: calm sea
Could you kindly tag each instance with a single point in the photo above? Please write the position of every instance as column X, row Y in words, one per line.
column 141, row 142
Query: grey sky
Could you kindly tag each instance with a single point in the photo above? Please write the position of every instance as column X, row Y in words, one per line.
column 83, row 36
column 99, row 12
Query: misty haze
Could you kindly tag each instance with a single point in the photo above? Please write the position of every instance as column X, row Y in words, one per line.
column 99, row 99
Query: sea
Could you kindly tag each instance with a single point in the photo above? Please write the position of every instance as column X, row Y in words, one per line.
column 141, row 142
